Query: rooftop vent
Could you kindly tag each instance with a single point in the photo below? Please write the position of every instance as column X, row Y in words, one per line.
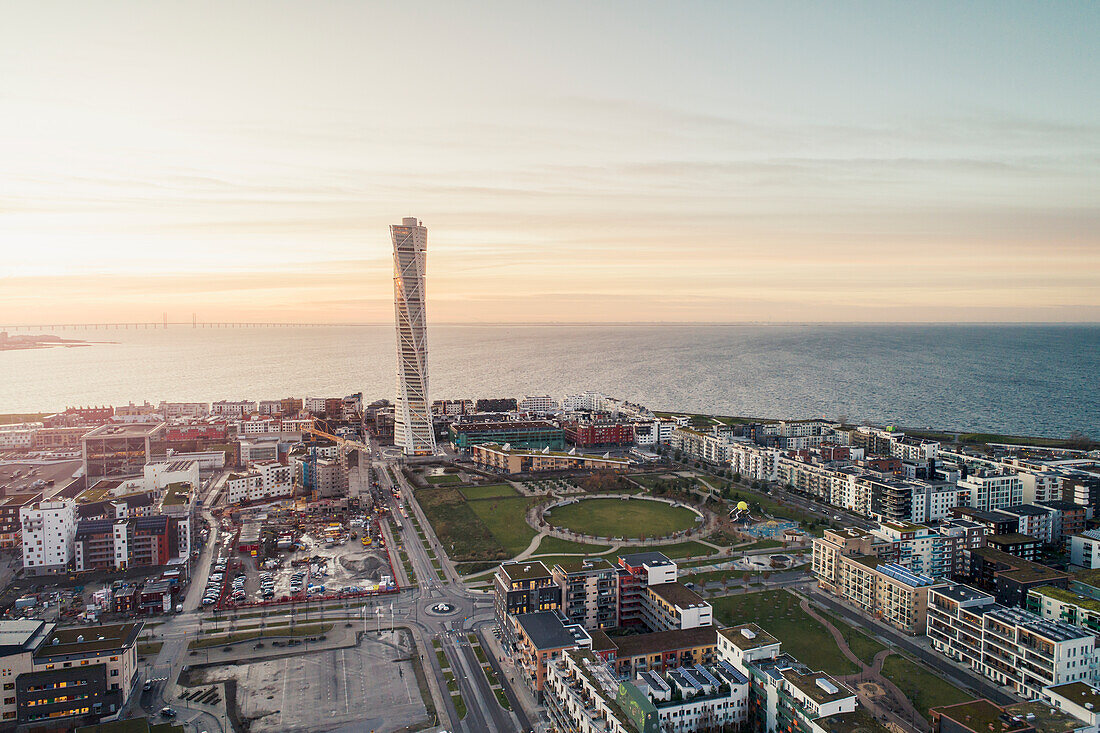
column 826, row 685
column 748, row 633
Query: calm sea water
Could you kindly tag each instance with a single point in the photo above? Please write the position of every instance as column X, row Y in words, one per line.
column 1039, row 380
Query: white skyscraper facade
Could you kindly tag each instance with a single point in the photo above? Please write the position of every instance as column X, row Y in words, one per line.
column 412, row 430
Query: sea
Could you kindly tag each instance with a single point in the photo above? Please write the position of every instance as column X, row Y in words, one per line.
column 1014, row 379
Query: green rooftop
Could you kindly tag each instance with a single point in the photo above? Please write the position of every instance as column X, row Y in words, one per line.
column 177, row 493
column 1067, row 596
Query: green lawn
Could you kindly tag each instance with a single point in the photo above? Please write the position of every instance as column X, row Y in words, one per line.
column 764, row 544
column 862, row 645
column 447, row 478
column 675, row 551
column 926, row 689
column 463, row 534
column 634, row 518
column 778, row 612
column 559, row 546
column 506, row 520
column 491, row 491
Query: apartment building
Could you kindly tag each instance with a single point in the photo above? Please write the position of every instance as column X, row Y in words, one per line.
column 982, row 716
column 1010, row 646
column 48, row 530
column 183, row 409
column 18, row 436
column 230, row 408
column 11, row 523
column 118, row 544
column 66, row 677
column 599, row 433
column 589, row 592
column 1084, row 549
column 539, row 639
column 1066, row 520
column 640, row 570
column 528, row 434
column 752, row 461
column 674, row 606
column 1008, row 577
column 509, row 460
column 1065, row 605
column 989, row 490
column 656, row 651
column 538, row 404
column 585, row 696
column 522, row 588
column 590, row 401
column 264, row 481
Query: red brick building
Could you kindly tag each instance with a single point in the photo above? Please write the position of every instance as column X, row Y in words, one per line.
column 592, row 434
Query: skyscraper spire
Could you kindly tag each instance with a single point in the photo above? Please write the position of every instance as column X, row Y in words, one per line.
column 413, row 431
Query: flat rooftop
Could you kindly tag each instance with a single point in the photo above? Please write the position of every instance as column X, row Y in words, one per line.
column 1080, row 693
column 88, row 639
column 818, row 686
column 125, row 430
column 677, row 594
column 584, row 564
column 659, row 641
column 748, row 636
column 959, row 592
column 640, row 559
column 502, row 426
column 1044, row 718
column 17, row 635
column 546, row 630
column 524, row 570
column 981, row 715
column 857, row 721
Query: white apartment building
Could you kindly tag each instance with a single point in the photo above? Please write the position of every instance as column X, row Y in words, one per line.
column 229, row 408
column 911, row 449
column 592, row 401
column 584, row 695
column 159, row 475
column 315, row 405
column 266, row 480
column 184, row 409
column 18, row 436
column 258, row 426
column 934, row 502
column 803, row 428
column 48, row 531
column 1084, row 549
column 538, row 404
column 988, row 490
column 1008, row 645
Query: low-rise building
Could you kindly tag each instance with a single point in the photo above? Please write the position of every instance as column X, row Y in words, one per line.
column 674, row 606
column 506, row 459
column 1084, row 549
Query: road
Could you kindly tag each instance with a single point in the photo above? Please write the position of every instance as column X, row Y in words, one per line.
column 472, row 615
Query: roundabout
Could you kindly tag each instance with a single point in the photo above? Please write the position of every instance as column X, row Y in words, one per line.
column 621, row 517
column 441, row 609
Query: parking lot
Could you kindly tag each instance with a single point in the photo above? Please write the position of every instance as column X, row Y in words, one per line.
column 357, row 688
column 49, row 478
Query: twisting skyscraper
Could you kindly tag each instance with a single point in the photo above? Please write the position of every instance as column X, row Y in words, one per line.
column 412, row 430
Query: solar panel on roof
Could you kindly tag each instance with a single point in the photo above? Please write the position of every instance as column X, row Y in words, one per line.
column 706, row 675
column 656, row 681
column 690, row 677
column 732, row 671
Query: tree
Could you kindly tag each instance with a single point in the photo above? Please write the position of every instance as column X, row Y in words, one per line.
column 737, row 477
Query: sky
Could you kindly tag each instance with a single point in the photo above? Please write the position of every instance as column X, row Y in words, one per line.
column 573, row 161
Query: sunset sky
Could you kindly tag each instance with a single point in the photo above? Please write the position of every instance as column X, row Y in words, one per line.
column 573, row 161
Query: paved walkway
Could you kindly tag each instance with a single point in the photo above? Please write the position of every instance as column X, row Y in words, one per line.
column 872, row 673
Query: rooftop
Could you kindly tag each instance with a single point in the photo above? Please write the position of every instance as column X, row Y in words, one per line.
column 125, row 430
column 1067, row 596
column 502, row 425
column 638, row 559
column 584, row 564
column 21, row 634
column 546, row 630
column 1013, row 538
column 524, row 570
column 959, row 592
column 857, row 721
column 177, row 493
column 1088, row 577
column 1080, row 693
column 88, row 639
column 638, row 644
column 677, row 594
column 1044, row 718
column 981, row 715
column 829, row 691
column 748, row 636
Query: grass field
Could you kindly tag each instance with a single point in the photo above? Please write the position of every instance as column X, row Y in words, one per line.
column 559, row 546
column 506, row 520
column 778, row 612
column 492, row 491
column 461, row 531
column 635, row 518
column 673, row 552
column 924, row 688
column 444, row 479
column 862, row 645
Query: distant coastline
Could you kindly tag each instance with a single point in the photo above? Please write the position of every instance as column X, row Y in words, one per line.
column 39, row 341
